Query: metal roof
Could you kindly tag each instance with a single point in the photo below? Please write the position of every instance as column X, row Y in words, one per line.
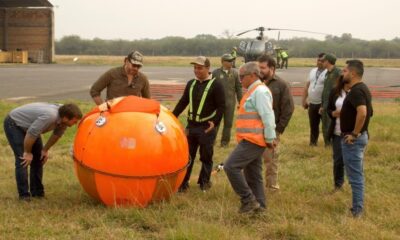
column 24, row 3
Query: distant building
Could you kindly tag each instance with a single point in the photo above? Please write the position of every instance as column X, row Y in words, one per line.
column 28, row 25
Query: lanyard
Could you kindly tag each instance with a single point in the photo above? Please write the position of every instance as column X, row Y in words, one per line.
column 317, row 74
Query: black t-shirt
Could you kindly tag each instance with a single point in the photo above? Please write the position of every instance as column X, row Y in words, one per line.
column 358, row 95
column 215, row 101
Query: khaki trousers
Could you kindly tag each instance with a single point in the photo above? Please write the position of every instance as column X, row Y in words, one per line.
column 270, row 157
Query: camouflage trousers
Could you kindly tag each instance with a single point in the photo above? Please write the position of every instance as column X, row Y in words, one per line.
column 228, row 123
column 326, row 122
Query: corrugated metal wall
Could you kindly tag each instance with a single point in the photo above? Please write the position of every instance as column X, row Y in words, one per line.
column 30, row 29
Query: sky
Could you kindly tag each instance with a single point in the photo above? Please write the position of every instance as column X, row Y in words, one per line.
column 155, row 19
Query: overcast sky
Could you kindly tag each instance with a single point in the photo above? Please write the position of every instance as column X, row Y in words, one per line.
column 131, row 19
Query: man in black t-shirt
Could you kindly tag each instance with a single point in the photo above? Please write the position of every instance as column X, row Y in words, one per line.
column 354, row 119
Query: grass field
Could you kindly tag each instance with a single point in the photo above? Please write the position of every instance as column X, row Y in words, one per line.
column 215, row 61
column 304, row 208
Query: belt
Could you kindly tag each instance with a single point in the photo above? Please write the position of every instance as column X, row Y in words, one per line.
column 197, row 124
column 13, row 123
column 10, row 120
column 349, row 133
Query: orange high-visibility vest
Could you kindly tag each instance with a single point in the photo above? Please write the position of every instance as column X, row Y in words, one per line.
column 248, row 124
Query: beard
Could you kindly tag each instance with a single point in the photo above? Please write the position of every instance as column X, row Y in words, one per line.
column 346, row 79
column 264, row 77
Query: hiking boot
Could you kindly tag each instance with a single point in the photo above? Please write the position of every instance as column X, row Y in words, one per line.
column 337, row 189
column 224, row 145
column 38, row 197
column 205, row 186
column 249, row 207
column 25, row 198
column 356, row 213
column 183, row 188
column 273, row 188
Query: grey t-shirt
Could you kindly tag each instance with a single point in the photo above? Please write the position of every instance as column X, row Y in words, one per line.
column 316, row 78
column 38, row 118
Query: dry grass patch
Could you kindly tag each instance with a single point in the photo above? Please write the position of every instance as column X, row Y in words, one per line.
column 304, row 208
column 183, row 61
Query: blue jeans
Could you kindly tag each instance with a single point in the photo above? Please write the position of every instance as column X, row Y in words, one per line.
column 353, row 157
column 338, row 165
column 15, row 136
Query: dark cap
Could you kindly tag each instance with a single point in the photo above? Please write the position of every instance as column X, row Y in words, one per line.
column 201, row 60
column 136, row 58
column 227, row 57
column 330, row 58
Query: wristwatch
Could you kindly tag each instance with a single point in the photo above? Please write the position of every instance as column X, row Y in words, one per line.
column 355, row 135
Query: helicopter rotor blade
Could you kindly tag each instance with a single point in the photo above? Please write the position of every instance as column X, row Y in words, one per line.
column 239, row 34
column 295, row 30
column 260, row 29
column 255, row 29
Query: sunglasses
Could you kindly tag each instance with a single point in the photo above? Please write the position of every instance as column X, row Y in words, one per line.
column 136, row 65
column 241, row 76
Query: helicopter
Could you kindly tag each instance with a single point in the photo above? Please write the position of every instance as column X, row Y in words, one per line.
column 252, row 49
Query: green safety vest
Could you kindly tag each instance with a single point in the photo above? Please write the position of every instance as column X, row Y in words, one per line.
column 284, row 54
column 233, row 53
column 201, row 105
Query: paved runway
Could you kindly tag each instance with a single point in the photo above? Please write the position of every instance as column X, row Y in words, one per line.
column 59, row 82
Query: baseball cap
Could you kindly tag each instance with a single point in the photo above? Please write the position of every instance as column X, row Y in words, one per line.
column 227, row 57
column 136, row 58
column 330, row 58
column 201, row 60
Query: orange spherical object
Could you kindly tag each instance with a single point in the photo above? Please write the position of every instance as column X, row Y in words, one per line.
column 130, row 151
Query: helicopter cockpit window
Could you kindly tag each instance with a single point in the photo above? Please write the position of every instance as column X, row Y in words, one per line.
column 242, row 46
column 269, row 48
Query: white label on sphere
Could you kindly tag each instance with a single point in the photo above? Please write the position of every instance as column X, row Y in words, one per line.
column 127, row 142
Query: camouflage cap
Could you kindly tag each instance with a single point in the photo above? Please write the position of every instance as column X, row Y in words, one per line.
column 330, row 58
column 201, row 60
column 227, row 57
column 136, row 58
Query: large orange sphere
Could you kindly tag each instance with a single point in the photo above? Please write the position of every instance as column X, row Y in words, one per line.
column 131, row 151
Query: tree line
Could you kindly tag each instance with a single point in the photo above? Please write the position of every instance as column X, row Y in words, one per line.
column 204, row 44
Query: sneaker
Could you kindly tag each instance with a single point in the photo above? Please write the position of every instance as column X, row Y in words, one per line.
column 273, row 188
column 248, row 207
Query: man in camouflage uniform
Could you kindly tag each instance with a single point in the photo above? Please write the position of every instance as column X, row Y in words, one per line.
column 333, row 73
column 229, row 78
column 234, row 55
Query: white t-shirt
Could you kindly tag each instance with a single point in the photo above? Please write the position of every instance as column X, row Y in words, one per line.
column 316, row 78
column 339, row 104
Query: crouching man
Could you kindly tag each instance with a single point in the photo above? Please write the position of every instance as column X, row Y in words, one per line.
column 23, row 127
